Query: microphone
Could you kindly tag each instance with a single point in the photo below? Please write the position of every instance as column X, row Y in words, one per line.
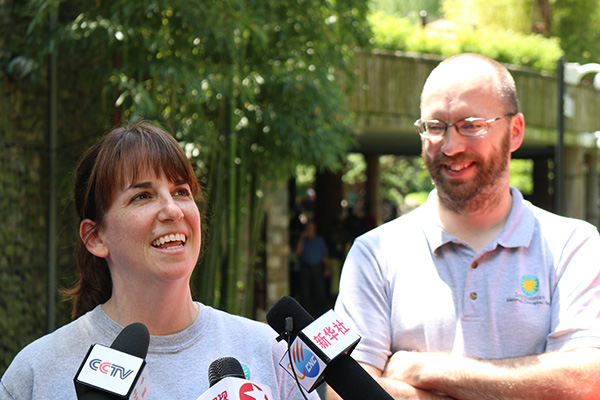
column 226, row 367
column 321, row 351
column 118, row 371
column 227, row 381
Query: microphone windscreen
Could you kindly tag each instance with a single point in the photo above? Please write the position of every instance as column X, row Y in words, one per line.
column 288, row 307
column 351, row 381
column 133, row 339
column 223, row 368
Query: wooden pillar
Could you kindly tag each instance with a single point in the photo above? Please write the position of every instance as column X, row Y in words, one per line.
column 330, row 192
column 372, row 197
column 574, row 193
column 591, row 202
column 541, row 184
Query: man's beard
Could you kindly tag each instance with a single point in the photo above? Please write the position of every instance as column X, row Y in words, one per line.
column 479, row 192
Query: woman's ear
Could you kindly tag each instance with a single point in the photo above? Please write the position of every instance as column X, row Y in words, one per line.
column 90, row 236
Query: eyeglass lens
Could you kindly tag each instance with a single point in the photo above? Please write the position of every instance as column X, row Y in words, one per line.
column 470, row 127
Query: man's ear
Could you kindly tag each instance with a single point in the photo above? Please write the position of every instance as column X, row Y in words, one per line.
column 517, row 131
column 90, row 236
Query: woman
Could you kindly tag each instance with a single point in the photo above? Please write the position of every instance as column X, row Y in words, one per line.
column 140, row 235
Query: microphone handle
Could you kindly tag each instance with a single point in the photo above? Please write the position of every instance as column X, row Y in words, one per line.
column 95, row 395
column 351, row 381
column 346, row 376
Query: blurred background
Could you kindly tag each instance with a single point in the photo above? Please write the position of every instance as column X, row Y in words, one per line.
column 290, row 111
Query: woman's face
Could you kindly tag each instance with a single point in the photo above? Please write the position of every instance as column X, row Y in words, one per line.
column 151, row 231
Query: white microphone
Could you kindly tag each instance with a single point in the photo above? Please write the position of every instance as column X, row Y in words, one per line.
column 118, row 371
column 227, row 381
column 320, row 351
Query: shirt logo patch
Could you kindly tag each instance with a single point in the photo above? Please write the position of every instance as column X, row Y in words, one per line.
column 530, row 285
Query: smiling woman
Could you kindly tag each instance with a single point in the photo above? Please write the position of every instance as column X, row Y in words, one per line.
column 117, row 160
column 135, row 193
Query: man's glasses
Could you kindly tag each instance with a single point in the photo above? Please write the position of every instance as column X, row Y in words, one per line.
column 468, row 127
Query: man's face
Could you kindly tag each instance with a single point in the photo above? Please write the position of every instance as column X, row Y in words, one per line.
column 462, row 180
column 467, row 171
column 311, row 230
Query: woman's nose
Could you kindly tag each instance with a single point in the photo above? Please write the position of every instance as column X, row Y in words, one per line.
column 170, row 210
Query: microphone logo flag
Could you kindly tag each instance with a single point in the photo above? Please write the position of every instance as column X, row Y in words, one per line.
column 109, row 368
column 251, row 391
column 232, row 388
column 331, row 336
column 305, row 362
column 117, row 375
column 316, row 345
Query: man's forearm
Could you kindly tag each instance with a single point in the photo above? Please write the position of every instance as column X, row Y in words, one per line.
column 398, row 390
column 557, row 375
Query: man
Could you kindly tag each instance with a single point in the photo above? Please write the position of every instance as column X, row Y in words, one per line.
column 313, row 256
column 477, row 294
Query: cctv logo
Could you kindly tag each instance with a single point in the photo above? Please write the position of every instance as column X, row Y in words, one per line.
column 109, row 369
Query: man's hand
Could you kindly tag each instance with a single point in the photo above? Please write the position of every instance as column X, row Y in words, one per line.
column 398, row 390
column 420, row 369
column 554, row 375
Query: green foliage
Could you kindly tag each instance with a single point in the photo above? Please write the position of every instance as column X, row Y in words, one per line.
column 251, row 89
column 22, row 310
column 355, row 171
column 521, row 175
column 23, row 246
column 576, row 23
column 410, row 8
column 402, row 175
column 405, row 182
column 397, row 33
column 500, row 16
column 573, row 28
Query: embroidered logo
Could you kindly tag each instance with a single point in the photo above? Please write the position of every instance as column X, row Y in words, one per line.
column 530, row 285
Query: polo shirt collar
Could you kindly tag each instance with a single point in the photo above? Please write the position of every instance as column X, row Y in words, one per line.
column 517, row 231
column 519, row 227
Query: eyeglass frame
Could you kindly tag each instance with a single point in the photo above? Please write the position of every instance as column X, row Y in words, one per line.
column 468, row 119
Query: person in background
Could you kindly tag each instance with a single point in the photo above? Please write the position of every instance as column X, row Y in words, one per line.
column 313, row 256
column 477, row 294
column 135, row 193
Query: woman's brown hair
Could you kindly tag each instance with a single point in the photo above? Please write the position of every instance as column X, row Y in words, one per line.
column 118, row 158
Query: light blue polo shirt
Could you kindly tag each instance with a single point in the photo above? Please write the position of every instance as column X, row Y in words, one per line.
column 409, row 285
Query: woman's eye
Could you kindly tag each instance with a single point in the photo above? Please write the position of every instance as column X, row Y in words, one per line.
column 182, row 192
column 140, row 196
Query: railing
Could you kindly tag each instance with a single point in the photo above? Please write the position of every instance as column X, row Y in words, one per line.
column 386, row 103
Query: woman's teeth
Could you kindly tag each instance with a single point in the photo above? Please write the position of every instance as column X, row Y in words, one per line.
column 177, row 237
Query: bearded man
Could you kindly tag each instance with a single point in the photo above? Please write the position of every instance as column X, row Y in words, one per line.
column 477, row 294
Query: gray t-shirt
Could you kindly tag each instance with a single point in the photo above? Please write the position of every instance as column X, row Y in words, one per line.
column 177, row 364
column 410, row 285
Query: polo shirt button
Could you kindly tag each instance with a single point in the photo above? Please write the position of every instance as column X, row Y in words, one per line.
column 474, row 264
column 473, row 296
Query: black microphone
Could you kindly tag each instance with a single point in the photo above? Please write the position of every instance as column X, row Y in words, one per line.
column 118, row 371
column 134, row 339
column 227, row 381
column 224, row 367
column 342, row 373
